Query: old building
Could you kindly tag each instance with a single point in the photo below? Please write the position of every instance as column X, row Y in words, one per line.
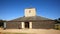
column 30, row 21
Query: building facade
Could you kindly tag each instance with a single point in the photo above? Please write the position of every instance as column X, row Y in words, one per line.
column 30, row 21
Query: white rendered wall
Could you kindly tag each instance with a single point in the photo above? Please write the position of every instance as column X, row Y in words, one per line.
column 30, row 12
column 30, row 25
column 4, row 24
column 23, row 25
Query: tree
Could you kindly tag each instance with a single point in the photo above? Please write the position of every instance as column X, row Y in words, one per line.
column 57, row 20
column 1, row 23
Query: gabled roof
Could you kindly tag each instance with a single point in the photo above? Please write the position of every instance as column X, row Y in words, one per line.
column 33, row 18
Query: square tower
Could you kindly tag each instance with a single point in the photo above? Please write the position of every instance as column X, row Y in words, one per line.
column 29, row 12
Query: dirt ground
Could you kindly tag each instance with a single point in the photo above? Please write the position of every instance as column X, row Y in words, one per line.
column 35, row 31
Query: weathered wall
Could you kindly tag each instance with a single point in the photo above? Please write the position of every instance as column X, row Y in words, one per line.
column 43, row 25
column 13, row 25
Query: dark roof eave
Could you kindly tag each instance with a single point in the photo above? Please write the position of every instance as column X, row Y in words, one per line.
column 30, row 21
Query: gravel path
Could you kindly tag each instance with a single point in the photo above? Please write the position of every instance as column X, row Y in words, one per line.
column 35, row 31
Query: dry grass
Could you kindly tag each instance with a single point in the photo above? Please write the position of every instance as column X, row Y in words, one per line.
column 11, row 33
column 14, row 33
column 30, row 31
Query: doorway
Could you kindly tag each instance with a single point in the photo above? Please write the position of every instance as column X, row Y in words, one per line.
column 26, row 24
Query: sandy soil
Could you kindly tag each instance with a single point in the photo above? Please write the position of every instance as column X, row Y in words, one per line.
column 35, row 31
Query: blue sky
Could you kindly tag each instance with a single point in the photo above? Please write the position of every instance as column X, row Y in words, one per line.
column 11, row 9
